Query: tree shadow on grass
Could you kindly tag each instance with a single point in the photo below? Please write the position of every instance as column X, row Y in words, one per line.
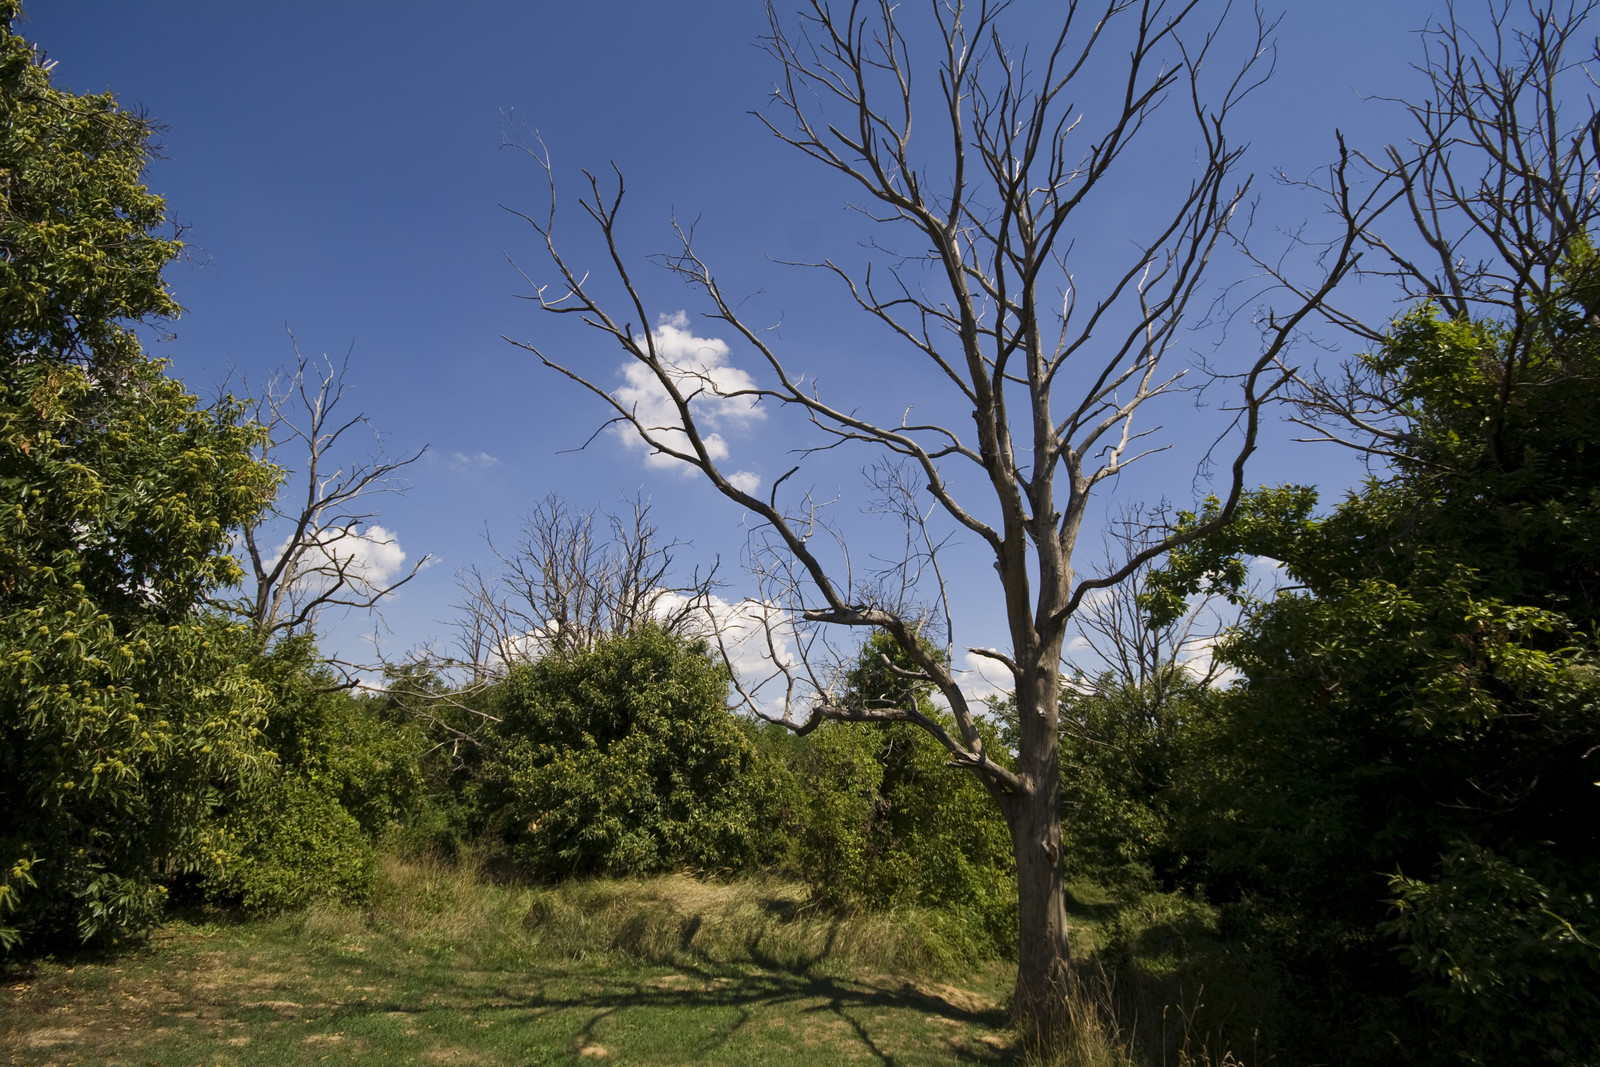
column 875, row 1017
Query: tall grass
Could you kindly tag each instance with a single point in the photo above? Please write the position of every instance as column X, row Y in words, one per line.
column 1108, row 1024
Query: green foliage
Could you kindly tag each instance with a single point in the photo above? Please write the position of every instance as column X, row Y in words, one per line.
column 882, row 821
column 342, row 777
column 1423, row 703
column 83, row 251
column 285, row 842
column 1505, row 942
column 623, row 758
column 119, row 706
column 1121, row 747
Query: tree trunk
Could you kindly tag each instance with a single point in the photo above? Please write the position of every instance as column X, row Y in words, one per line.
column 1044, row 964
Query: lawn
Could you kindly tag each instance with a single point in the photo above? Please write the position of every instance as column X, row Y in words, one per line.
column 446, row 969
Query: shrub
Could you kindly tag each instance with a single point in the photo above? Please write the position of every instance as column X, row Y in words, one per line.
column 342, row 776
column 623, row 758
column 883, row 823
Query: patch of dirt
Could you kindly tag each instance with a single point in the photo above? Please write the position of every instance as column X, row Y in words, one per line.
column 49, row 1038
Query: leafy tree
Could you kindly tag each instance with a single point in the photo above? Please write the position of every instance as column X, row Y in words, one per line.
column 1408, row 769
column 1122, row 747
column 83, row 239
column 120, row 706
column 622, row 758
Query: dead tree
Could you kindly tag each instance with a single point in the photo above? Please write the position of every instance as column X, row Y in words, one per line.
column 1051, row 362
column 562, row 587
column 1117, row 630
column 309, row 550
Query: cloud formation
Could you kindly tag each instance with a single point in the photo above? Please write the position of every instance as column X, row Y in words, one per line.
column 699, row 368
column 368, row 557
column 755, row 638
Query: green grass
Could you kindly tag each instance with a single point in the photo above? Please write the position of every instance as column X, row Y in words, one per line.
column 443, row 968
column 446, row 967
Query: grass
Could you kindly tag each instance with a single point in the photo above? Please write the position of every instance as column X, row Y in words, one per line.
column 443, row 968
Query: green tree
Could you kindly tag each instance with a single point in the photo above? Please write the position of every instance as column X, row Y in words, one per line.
column 622, row 758
column 345, row 772
column 82, row 237
column 121, row 707
column 1408, row 769
column 883, row 820
column 1122, row 745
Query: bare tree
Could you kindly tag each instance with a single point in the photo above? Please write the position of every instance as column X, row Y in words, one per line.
column 1116, row 626
column 1479, row 207
column 311, row 550
column 1052, row 364
column 561, row 588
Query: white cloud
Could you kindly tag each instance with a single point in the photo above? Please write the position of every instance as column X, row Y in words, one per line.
column 983, row 678
column 745, row 481
column 374, row 552
column 755, row 638
column 1199, row 659
column 473, row 460
column 368, row 557
column 699, row 368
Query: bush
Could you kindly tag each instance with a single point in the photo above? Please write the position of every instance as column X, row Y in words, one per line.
column 342, row 776
column 623, row 759
column 1508, row 953
column 881, row 821
column 286, row 843
column 1121, row 748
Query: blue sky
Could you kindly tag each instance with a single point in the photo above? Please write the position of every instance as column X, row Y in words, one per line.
column 340, row 173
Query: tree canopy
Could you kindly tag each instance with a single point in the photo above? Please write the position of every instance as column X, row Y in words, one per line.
column 120, row 704
column 1408, row 765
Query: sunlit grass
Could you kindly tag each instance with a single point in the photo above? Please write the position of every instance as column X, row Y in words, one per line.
column 444, row 965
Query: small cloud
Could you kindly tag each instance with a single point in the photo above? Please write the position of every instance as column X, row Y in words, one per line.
column 745, row 481
column 472, row 460
column 368, row 557
column 1199, row 660
column 699, row 369
column 755, row 637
